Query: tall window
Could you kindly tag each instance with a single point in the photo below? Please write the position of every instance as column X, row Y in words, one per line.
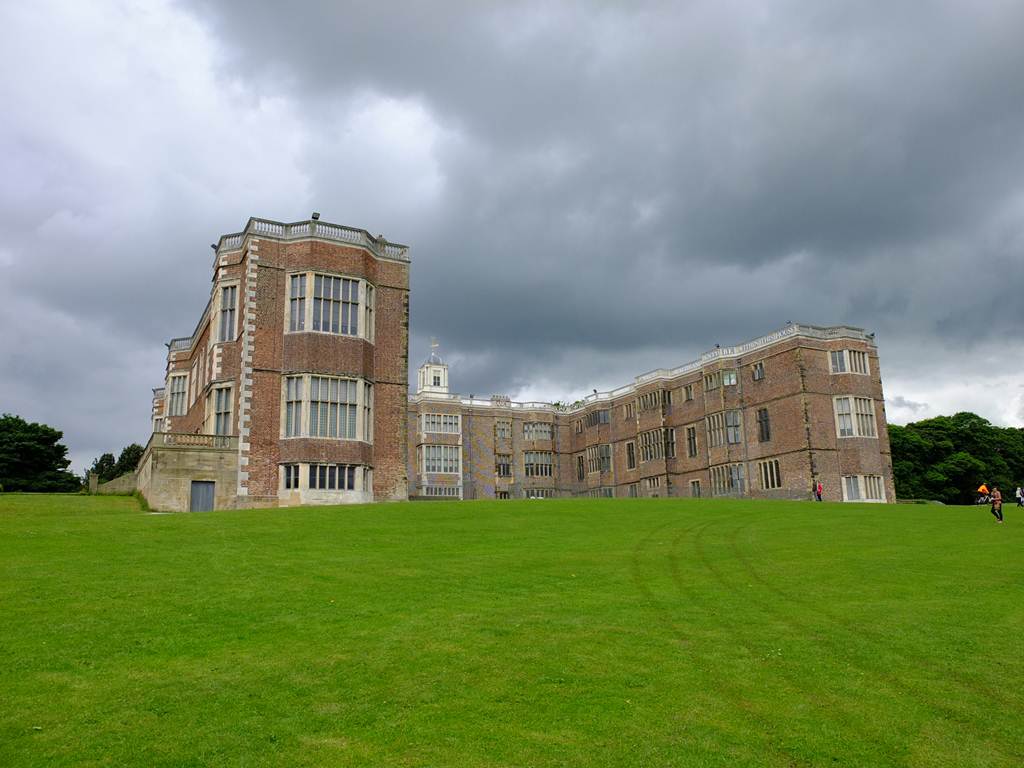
column 222, row 411
column 764, row 427
column 695, row 489
column 716, row 430
column 228, row 299
column 733, row 431
column 599, row 458
column 293, row 406
column 655, row 442
column 332, row 407
column 630, row 455
column 443, row 459
column 536, row 430
column 158, row 425
column 758, row 371
column 874, row 490
column 442, row 423
column 581, row 471
column 712, row 381
column 290, row 473
column 297, row 303
column 688, row 392
column 670, row 443
column 691, row 442
column 335, row 305
column 537, row 463
column 855, row 417
column 370, row 306
column 178, row 391
column 728, row 378
column 844, row 417
column 838, row 361
column 768, row 473
column 502, row 430
column 858, row 361
column 594, row 418
column 503, row 464
column 727, row 478
column 629, row 410
column 634, row 490
column 367, row 412
column 328, row 407
column 864, row 410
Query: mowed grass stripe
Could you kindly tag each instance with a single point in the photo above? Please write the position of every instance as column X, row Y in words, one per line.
column 556, row 632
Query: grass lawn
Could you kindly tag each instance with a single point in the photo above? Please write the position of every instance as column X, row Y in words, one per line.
column 592, row 632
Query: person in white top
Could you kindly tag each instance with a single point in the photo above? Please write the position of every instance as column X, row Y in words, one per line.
column 1020, row 497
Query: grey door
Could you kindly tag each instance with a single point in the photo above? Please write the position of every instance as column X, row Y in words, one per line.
column 202, row 496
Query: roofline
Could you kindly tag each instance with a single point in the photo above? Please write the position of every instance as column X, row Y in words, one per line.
column 791, row 330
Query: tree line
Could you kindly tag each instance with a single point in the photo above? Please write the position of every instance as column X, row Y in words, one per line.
column 946, row 458
column 33, row 458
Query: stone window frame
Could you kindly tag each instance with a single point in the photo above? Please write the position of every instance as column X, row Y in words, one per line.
column 692, row 446
column 847, row 360
column 183, row 401
column 538, row 464
column 294, row 476
column 769, row 474
column 223, row 285
column 599, row 458
column 428, row 422
column 364, row 411
column 448, row 458
column 863, row 488
column 858, row 419
column 764, row 425
column 503, row 465
column 365, row 313
column 727, row 479
column 213, row 421
column 538, row 430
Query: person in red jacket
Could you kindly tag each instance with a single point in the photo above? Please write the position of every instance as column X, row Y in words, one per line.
column 818, row 490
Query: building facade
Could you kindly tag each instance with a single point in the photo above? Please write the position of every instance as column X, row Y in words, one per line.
column 770, row 418
column 293, row 387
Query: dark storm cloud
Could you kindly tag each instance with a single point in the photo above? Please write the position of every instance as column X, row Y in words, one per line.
column 590, row 190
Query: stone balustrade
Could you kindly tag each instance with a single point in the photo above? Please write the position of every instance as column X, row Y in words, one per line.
column 339, row 233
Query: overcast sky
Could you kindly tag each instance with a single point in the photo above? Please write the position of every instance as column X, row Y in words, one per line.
column 590, row 190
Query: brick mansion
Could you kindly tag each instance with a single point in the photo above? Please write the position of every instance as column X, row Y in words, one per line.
column 293, row 389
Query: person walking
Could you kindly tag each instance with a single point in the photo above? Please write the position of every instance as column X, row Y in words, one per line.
column 997, row 504
column 1020, row 497
column 818, row 490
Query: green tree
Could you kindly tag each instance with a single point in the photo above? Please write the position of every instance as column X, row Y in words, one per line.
column 948, row 457
column 32, row 458
column 129, row 459
column 105, row 467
